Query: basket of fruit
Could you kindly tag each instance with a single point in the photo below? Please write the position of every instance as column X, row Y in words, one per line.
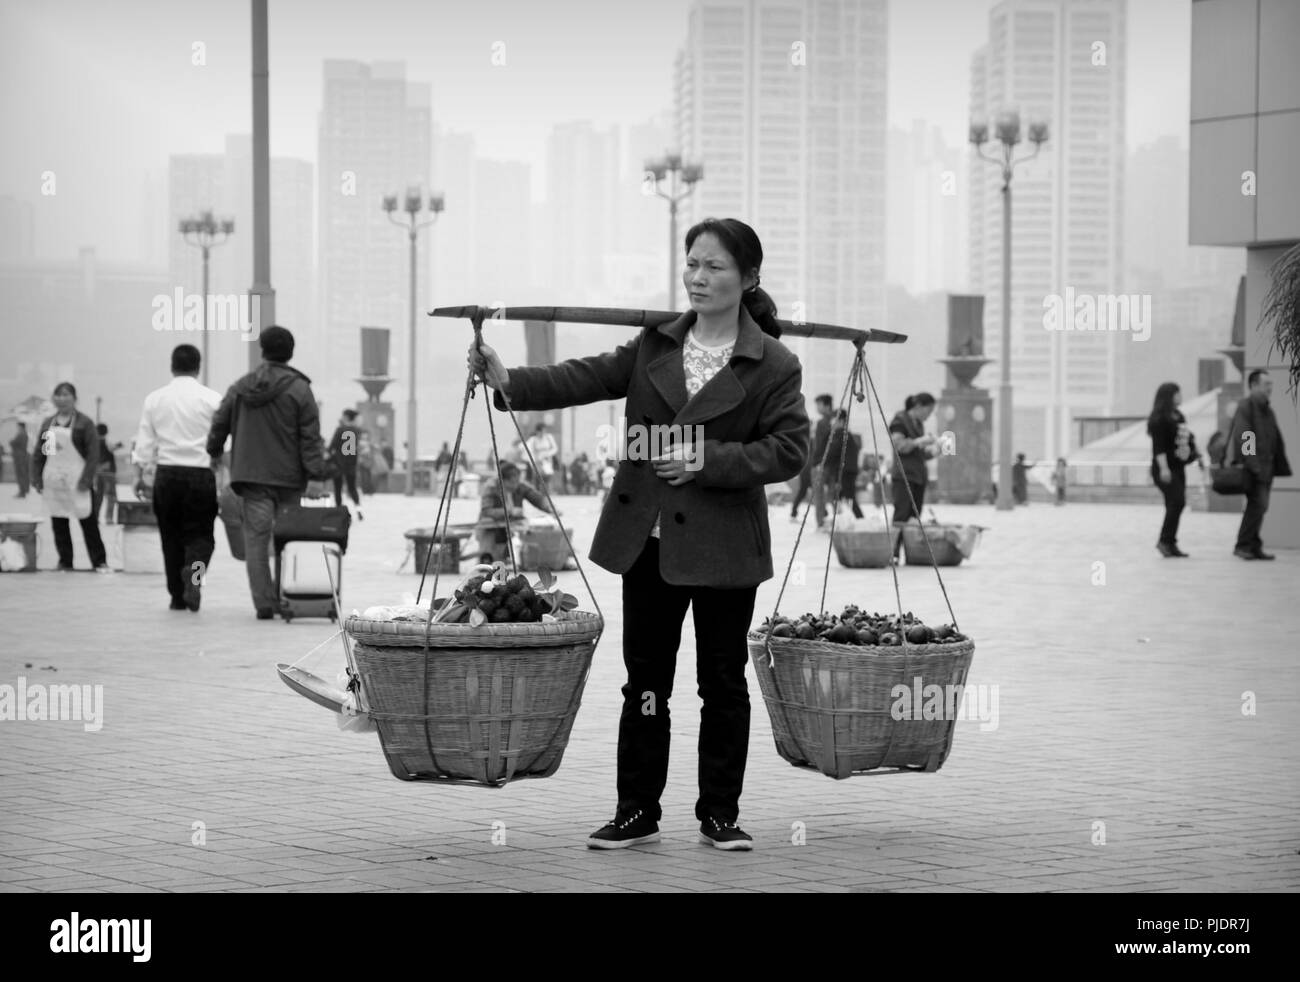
column 485, row 689
column 864, row 548
column 949, row 543
column 861, row 692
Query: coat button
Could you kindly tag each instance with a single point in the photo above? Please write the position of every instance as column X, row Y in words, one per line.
column 679, row 518
column 624, row 498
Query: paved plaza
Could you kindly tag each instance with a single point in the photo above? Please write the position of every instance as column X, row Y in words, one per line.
column 1147, row 736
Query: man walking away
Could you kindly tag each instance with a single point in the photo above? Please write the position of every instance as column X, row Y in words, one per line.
column 1255, row 442
column 821, row 436
column 274, row 424
column 344, row 453
column 173, row 434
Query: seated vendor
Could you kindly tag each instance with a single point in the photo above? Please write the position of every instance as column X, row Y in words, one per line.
column 492, row 515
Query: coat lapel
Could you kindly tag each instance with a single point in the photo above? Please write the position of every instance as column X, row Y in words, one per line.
column 721, row 393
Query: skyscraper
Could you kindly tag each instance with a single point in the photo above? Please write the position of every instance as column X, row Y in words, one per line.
column 926, row 224
column 375, row 140
column 582, row 170
column 1063, row 62
column 783, row 101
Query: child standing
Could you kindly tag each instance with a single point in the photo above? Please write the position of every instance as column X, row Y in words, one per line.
column 1059, row 480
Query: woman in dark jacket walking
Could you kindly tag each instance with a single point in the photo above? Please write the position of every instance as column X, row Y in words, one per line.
column 688, row 527
column 1173, row 447
column 914, row 447
column 65, row 463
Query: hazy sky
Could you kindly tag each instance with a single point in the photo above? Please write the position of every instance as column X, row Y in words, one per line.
column 101, row 93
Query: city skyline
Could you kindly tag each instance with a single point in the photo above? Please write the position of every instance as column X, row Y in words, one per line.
column 556, row 212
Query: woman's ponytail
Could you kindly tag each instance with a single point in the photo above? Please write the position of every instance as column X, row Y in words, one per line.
column 762, row 308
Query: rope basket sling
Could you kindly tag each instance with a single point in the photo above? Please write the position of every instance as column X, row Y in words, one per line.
column 835, row 708
column 480, row 705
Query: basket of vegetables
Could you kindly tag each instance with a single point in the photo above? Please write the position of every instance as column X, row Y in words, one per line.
column 483, row 686
column 861, row 692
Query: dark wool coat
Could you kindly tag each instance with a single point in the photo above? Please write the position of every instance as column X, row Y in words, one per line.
column 713, row 530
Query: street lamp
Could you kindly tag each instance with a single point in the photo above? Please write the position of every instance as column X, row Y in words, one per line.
column 205, row 231
column 1007, row 127
column 412, row 206
column 679, row 174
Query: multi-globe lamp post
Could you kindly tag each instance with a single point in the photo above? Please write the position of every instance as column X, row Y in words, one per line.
column 1007, row 133
column 411, row 208
column 206, row 232
column 682, row 179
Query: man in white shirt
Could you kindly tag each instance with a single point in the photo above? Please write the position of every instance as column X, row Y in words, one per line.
column 543, row 448
column 173, row 435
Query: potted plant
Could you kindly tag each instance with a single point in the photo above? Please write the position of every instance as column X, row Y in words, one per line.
column 1281, row 309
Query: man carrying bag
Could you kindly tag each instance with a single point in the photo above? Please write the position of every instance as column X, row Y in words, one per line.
column 1255, row 455
column 274, row 422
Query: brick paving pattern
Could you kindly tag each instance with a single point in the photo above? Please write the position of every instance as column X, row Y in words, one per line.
column 1119, row 703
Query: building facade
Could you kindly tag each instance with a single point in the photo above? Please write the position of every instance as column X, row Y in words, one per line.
column 1245, row 141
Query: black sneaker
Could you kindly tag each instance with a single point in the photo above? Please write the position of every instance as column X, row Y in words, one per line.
column 629, row 828
column 724, row 835
column 265, row 614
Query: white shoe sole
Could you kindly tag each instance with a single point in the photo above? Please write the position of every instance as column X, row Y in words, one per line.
column 736, row 845
column 594, row 843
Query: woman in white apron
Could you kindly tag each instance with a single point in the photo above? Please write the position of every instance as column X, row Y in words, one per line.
column 64, row 462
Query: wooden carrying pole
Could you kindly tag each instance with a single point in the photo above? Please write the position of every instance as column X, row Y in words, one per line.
column 653, row 318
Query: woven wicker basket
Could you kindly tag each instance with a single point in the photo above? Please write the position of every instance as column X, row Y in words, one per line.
column 864, row 548
column 485, row 705
column 830, row 704
column 946, row 552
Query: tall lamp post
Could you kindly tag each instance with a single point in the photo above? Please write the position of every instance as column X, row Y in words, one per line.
column 411, row 207
column 203, row 231
column 682, row 179
column 1008, row 134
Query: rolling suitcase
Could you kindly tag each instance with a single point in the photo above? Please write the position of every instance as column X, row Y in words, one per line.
column 309, row 545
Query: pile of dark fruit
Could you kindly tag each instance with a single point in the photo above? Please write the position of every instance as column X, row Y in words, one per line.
column 857, row 627
column 490, row 594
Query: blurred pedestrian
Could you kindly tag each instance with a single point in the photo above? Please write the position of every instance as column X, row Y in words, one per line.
column 805, row 480
column 106, row 477
column 272, row 418
column 365, row 463
column 172, row 440
column 1255, row 443
column 845, row 486
column 1059, row 478
column 504, row 497
column 22, row 460
column 1020, row 480
column 344, row 454
column 1172, row 448
column 67, row 459
column 544, row 449
column 821, row 437
column 913, row 447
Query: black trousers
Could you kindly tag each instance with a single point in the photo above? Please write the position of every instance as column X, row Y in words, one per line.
column 350, row 475
column 185, row 504
column 89, row 532
column 653, row 614
column 805, row 485
column 903, row 511
column 1252, row 519
column 1175, row 492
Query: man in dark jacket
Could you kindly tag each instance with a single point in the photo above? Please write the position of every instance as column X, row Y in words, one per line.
column 272, row 418
column 344, row 447
column 1255, row 442
column 821, row 437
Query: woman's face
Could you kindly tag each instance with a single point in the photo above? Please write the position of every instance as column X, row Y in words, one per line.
column 1178, row 397
column 64, row 401
column 922, row 413
column 712, row 280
